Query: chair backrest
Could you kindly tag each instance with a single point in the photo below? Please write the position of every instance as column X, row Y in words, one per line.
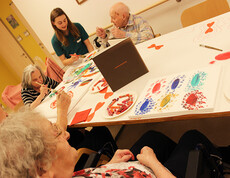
column 202, row 165
column 53, row 70
column 11, row 95
column 204, row 11
column 88, row 158
column 3, row 113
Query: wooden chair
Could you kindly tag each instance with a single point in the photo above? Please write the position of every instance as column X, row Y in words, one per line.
column 204, row 11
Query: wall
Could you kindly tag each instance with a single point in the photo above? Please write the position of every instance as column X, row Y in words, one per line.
column 27, row 42
column 92, row 13
column 7, row 76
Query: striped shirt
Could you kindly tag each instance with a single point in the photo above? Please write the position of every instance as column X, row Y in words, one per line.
column 29, row 95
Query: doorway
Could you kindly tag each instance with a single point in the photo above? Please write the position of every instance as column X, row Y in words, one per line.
column 12, row 52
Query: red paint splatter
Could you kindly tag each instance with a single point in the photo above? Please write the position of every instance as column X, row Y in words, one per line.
column 156, row 47
column 156, row 87
column 212, row 62
column 192, row 99
column 97, row 107
column 209, row 29
column 107, row 94
column 151, row 46
column 210, row 24
column 223, row 56
column 70, row 93
column 53, row 105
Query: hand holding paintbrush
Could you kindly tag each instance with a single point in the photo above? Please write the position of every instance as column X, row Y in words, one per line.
column 52, row 90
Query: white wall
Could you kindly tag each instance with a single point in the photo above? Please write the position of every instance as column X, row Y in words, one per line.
column 92, row 13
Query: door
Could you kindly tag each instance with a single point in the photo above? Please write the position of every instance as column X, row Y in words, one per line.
column 34, row 35
column 12, row 52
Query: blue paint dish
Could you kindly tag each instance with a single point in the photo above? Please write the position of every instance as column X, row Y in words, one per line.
column 195, row 80
column 175, row 84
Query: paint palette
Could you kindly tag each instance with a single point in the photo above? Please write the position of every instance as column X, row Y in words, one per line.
column 119, row 104
column 98, row 85
column 188, row 92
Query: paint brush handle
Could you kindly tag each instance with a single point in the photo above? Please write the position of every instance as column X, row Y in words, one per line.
column 210, row 47
column 48, row 88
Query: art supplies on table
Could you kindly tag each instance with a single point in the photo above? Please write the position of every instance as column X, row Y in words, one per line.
column 90, row 56
column 82, row 78
column 98, row 85
column 120, row 64
column 52, row 90
column 189, row 92
column 85, row 69
column 119, row 104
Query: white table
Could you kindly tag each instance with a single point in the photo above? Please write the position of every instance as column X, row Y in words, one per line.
column 181, row 52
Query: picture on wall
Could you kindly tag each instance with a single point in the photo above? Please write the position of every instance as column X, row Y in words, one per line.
column 12, row 21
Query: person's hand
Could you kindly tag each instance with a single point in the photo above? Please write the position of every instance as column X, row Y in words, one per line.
column 63, row 101
column 74, row 57
column 117, row 33
column 100, row 32
column 121, row 156
column 147, row 156
column 44, row 90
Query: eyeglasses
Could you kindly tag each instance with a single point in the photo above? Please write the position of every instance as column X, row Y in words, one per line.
column 57, row 130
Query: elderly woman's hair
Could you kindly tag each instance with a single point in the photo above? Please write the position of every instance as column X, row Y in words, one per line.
column 26, row 148
column 26, row 77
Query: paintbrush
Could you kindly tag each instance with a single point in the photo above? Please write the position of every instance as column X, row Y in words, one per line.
column 210, row 47
column 52, row 90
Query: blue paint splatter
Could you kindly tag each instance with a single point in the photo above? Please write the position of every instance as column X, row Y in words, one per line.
column 74, row 85
column 175, row 84
column 144, row 106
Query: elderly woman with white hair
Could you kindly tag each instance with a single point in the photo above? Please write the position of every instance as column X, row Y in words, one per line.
column 35, row 86
column 31, row 146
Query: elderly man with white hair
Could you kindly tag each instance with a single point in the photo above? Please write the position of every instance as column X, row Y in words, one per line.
column 126, row 25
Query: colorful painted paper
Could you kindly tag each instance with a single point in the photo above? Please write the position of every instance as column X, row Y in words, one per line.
column 84, row 70
column 76, row 88
column 188, row 92
column 90, row 56
column 99, row 85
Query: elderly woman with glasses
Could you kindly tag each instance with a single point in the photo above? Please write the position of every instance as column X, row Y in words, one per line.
column 32, row 146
